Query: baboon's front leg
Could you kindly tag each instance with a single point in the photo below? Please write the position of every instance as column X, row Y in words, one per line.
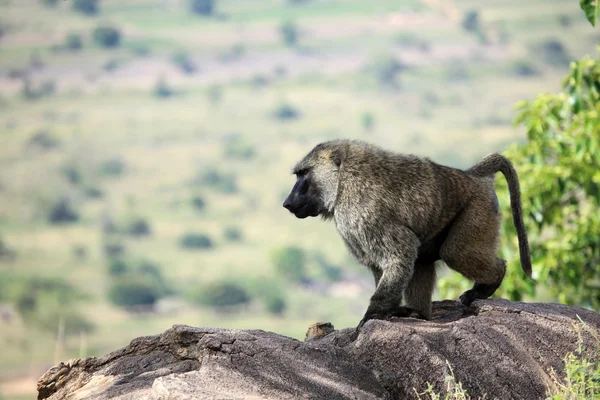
column 397, row 270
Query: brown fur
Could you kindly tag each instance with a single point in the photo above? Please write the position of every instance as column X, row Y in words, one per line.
column 398, row 214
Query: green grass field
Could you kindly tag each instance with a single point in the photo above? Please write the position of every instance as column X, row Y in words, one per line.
column 102, row 129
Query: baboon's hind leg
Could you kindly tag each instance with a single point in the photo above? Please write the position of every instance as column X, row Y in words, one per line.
column 470, row 248
column 482, row 290
column 419, row 291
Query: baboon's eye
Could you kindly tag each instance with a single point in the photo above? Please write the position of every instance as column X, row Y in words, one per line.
column 302, row 172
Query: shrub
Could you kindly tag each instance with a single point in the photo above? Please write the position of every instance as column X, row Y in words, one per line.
column 112, row 167
column 457, row 71
column 114, row 249
column 290, row 262
column 106, row 36
column 523, row 68
column 80, row 252
column 232, row 234
column 224, row 182
column 239, row 148
column 140, row 50
column 31, row 92
column 286, row 112
column 554, row 53
column 202, row 7
column 198, row 203
column 138, row 227
column 214, row 94
column 385, row 69
column 367, row 120
column 235, row 52
column 87, row 7
column 195, row 241
column 275, row 304
column 223, row 294
column 471, row 21
column 73, row 42
column 117, row 267
column 72, row 174
column 132, row 292
column 289, row 33
column 49, row 3
column 184, row 63
column 269, row 292
column 152, row 272
column 43, row 140
column 162, row 89
column 93, row 192
column 62, row 212
column 111, row 65
column 16, row 73
column 5, row 251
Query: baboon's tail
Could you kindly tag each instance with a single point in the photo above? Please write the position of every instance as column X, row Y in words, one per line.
column 491, row 164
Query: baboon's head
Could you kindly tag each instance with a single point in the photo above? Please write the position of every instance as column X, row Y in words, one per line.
column 317, row 178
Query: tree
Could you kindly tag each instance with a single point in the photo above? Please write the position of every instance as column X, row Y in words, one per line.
column 289, row 33
column 202, row 7
column 559, row 169
column 290, row 262
column 87, row 7
column 107, row 36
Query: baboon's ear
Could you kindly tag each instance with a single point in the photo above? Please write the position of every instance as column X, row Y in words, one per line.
column 336, row 157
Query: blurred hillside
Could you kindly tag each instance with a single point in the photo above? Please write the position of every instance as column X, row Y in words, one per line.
column 146, row 148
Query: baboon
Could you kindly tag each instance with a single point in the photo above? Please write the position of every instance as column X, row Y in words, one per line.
column 399, row 214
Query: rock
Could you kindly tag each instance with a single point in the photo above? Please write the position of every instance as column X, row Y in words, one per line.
column 318, row 330
column 496, row 348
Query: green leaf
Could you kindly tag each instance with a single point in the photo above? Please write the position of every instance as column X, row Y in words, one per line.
column 591, row 9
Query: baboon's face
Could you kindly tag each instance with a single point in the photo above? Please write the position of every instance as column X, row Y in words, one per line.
column 316, row 187
column 305, row 198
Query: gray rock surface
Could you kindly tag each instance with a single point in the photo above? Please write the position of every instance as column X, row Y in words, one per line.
column 496, row 348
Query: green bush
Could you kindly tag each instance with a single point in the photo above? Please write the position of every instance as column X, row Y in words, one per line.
column 138, row 226
column 239, row 148
column 162, row 89
column 152, row 272
column 5, row 251
column 112, row 65
column 581, row 378
column 31, row 92
column 112, row 167
column 286, row 112
column 289, row 33
column 198, row 203
column 195, row 241
column 43, row 140
column 113, row 249
column 471, row 21
column 223, row 294
column 62, row 212
column 49, row 3
column 385, row 69
column 221, row 181
column 290, row 262
column 183, row 61
column 202, row 7
column 232, row 234
column 72, row 173
column 133, row 292
column 118, row 267
column 73, row 42
column 524, row 68
column 367, row 120
column 106, row 36
column 554, row 53
column 87, row 7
